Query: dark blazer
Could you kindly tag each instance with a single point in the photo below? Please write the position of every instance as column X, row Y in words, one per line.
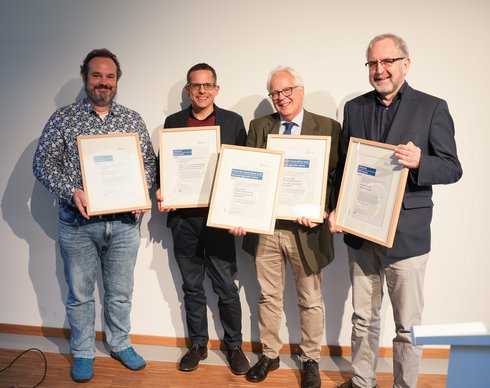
column 316, row 243
column 232, row 131
column 425, row 121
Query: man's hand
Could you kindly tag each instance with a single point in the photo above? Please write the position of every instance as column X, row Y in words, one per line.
column 331, row 223
column 80, row 202
column 161, row 207
column 237, row 232
column 408, row 155
column 305, row 221
column 140, row 211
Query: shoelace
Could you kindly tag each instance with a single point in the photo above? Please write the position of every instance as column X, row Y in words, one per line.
column 310, row 364
column 236, row 350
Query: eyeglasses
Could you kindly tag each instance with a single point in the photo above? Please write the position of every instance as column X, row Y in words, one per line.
column 286, row 92
column 197, row 87
column 387, row 62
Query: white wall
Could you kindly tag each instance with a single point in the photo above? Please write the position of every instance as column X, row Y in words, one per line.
column 43, row 42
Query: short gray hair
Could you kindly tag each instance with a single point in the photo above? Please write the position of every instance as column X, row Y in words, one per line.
column 298, row 80
column 399, row 43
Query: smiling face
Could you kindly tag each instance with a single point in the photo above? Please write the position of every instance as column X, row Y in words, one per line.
column 201, row 99
column 387, row 80
column 287, row 107
column 101, row 82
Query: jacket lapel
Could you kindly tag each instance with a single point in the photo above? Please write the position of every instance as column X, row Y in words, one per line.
column 370, row 130
column 184, row 117
column 402, row 130
column 271, row 126
column 308, row 126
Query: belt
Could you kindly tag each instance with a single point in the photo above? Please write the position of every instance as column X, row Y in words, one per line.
column 285, row 224
column 112, row 216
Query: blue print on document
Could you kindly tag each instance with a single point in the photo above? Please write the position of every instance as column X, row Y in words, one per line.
column 297, row 163
column 366, row 170
column 247, row 174
column 103, row 158
column 185, row 152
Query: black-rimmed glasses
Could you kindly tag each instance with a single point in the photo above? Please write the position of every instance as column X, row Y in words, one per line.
column 197, row 87
column 286, row 92
column 387, row 62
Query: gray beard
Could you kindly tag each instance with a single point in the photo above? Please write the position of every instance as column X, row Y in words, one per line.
column 99, row 100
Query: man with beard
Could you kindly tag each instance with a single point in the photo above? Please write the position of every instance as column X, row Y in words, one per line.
column 111, row 239
column 423, row 130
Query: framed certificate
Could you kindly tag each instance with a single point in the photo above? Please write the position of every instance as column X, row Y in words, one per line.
column 371, row 192
column 246, row 189
column 188, row 158
column 305, row 175
column 113, row 174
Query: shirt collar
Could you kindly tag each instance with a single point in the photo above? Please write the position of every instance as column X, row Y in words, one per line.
column 213, row 113
column 296, row 120
column 397, row 97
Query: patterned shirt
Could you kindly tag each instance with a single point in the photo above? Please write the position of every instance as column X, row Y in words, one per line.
column 56, row 162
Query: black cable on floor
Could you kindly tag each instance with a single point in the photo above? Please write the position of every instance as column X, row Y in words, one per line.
column 24, row 352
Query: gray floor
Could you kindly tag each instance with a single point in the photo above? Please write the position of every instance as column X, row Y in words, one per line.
column 172, row 354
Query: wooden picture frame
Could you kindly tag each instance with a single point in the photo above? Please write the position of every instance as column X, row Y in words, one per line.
column 246, row 189
column 371, row 193
column 188, row 159
column 113, row 174
column 305, row 175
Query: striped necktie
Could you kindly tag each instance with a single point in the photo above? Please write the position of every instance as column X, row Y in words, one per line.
column 287, row 128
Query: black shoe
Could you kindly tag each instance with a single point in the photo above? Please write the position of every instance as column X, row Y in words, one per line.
column 349, row 384
column 190, row 360
column 311, row 375
column 260, row 370
column 238, row 361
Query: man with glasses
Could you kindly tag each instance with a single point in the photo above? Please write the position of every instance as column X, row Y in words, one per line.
column 306, row 245
column 422, row 128
column 199, row 249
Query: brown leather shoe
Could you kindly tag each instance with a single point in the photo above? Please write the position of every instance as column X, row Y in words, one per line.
column 262, row 368
column 190, row 360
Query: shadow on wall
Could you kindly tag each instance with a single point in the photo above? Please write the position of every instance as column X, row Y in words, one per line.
column 340, row 109
column 25, row 200
column 321, row 103
column 166, row 271
column 259, row 105
column 177, row 99
column 70, row 92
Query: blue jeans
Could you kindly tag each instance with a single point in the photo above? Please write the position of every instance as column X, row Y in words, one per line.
column 113, row 242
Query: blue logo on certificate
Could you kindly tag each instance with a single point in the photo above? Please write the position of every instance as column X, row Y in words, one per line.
column 185, row 152
column 103, row 158
column 247, row 174
column 297, row 163
column 366, row 170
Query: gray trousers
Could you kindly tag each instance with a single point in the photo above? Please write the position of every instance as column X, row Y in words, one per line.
column 369, row 268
